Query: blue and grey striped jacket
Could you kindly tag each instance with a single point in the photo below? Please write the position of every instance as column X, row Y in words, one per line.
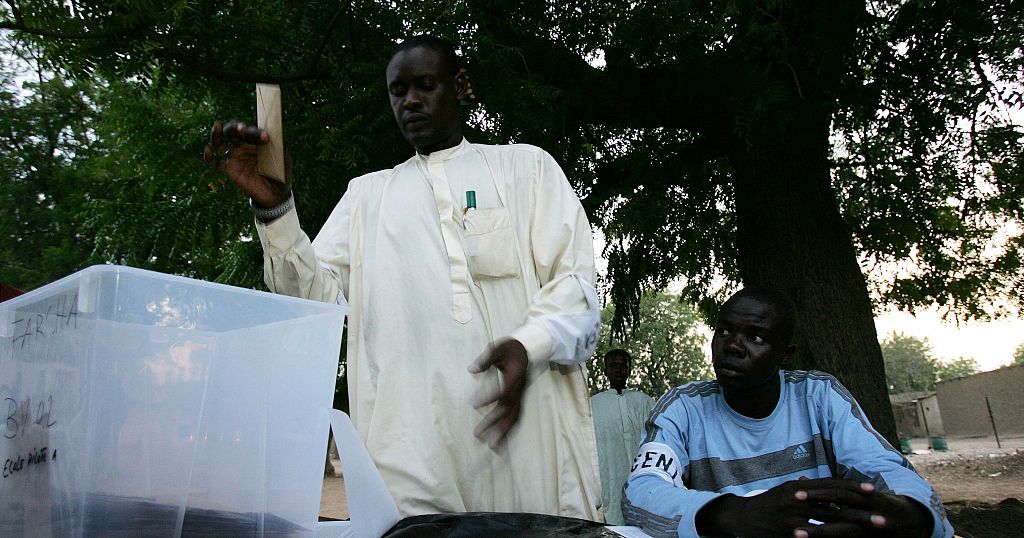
column 696, row 448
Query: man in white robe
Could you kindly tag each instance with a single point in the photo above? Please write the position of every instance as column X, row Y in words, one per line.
column 619, row 417
column 470, row 271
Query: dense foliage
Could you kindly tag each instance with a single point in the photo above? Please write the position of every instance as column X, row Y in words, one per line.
column 926, row 163
column 958, row 367
column 44, row 155
column 928, row 160
column 788, row 143
column 910, row 365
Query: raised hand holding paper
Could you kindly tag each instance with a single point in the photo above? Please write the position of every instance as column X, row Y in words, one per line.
column 268, row 117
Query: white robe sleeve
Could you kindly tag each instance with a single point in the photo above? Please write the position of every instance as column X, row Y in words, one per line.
column 292, row 265
column 564, row 318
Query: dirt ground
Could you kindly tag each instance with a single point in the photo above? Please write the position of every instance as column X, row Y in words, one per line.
column 333, row 504
column 981, row 485
column 973, row 469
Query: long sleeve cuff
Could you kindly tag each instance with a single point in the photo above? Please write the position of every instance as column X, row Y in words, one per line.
column 940, row 524
column 662, row 511
column 536, row 339
column 688, row 524
column 280, row 234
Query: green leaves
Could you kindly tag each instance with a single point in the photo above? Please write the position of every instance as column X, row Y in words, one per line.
column 926, row 166
column 928, row 161
column 911, row 367
column 44, row 136
column 909, row 364
column 667, row 343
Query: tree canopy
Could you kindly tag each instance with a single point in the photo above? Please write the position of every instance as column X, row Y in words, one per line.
column 44, row 150
column 910, row 365
column 958, row 367
column 785, row 143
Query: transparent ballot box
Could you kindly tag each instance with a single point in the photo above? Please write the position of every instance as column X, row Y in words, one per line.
column 135, row 403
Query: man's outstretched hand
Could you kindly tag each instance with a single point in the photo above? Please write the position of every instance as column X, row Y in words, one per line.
column 232, row 152
column 510, row 358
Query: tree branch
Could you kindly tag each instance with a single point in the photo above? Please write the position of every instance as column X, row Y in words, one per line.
column 19, row 26
column 690, row 94
column 618, row 177
column 185, row 58
column 188, row 60
column 865, row 163
column 328, row 32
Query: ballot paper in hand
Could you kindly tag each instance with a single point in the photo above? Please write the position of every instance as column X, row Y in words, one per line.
column 268, row 117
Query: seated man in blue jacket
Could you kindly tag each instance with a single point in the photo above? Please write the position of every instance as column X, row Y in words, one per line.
column 770, row 452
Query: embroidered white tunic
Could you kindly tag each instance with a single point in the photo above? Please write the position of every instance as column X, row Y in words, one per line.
column 619, row 425
column 431, row 287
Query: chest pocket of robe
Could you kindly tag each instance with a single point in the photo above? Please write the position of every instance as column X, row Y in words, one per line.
column 490, row 243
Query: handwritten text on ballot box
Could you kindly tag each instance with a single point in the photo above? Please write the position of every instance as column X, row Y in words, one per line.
column 140, row 403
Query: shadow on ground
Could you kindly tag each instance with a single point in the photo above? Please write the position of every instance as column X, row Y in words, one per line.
column 978, row 520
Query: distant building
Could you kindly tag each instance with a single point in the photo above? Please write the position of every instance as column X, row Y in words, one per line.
column 966, row 401
column 917, row 414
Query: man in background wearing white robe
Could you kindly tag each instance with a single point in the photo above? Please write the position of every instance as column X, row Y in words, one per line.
column 469, row 270
column 619, row 416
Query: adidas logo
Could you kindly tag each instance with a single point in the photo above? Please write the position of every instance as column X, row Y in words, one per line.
column 801, row 453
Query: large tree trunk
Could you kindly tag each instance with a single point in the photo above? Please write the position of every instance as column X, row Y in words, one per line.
column 790, row 236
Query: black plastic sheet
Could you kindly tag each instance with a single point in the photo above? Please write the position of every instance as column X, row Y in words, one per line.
column 496, row 525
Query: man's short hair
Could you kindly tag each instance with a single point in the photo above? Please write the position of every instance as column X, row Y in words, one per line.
column 617, row 352
column 439, row 45
column 778, row 300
